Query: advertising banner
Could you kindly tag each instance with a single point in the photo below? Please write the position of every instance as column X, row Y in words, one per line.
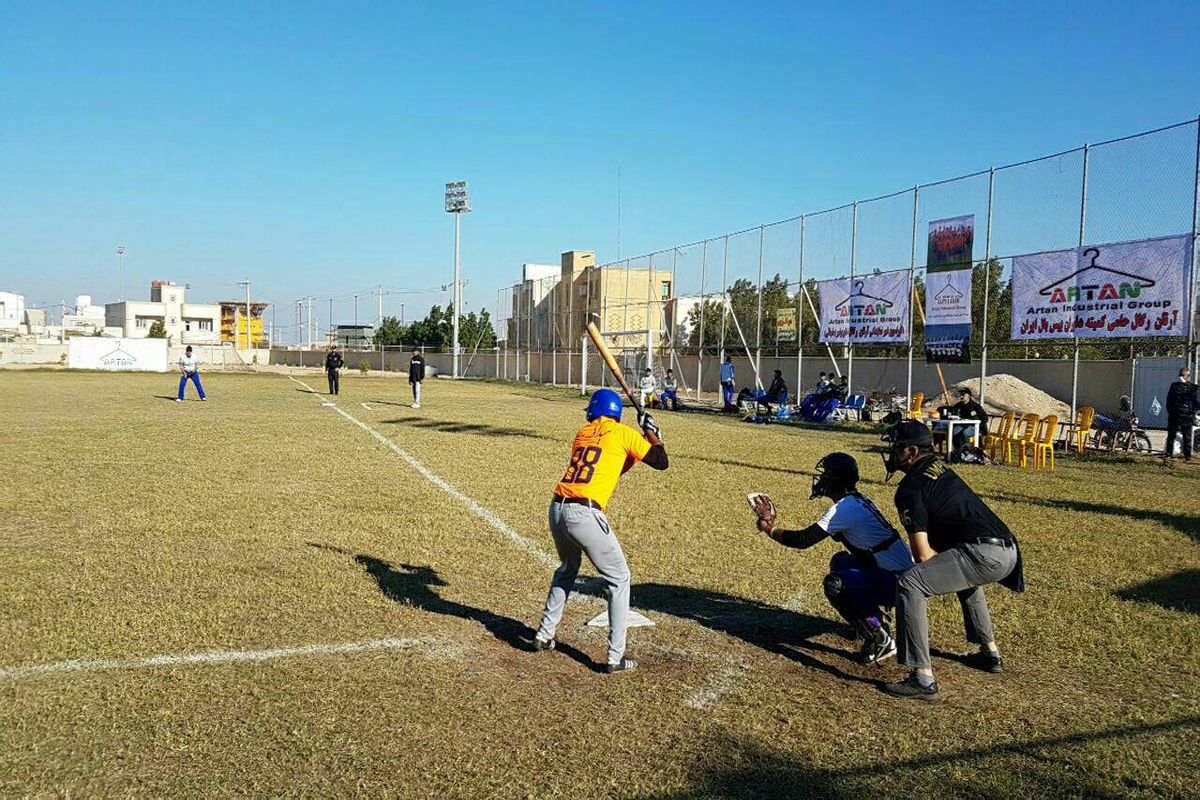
column 1107, row 291
column 785, row 325
column 117, row 355
column 872, row 309
column 948, row 290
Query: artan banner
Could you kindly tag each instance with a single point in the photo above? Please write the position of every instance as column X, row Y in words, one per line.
column 785, row 325
column 117, row 355
column 948, row 290
column 1108, row 291
column 872, row 309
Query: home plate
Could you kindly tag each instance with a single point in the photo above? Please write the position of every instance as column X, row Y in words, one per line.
column 635, row 620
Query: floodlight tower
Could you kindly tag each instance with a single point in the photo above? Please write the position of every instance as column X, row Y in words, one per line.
column 458, row 202
column 121, row 268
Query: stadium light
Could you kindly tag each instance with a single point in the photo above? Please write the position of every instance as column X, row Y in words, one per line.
column 121, row 268
column 458, row 202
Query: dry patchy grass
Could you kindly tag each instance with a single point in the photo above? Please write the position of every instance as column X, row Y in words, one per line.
column 132, row 526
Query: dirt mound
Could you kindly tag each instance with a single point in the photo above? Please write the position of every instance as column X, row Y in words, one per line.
column 1007, row 393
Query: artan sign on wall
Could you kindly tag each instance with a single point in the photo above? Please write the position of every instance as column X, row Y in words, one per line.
column 117, row 355
column 872, row 309
column 1108, row 291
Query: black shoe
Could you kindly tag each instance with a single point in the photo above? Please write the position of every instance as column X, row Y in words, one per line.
column 910, row 689
column 985, row 660
column 877, row 648
column 541, row 645
column 624, row 665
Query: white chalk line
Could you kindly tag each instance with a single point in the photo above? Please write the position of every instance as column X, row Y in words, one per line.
column 10, row 674
column 719, row 686
column 367, row 407
column 484, row 513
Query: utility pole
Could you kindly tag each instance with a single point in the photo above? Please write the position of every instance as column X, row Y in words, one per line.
column 458, row 202
column 379, row 324
column 246, row 283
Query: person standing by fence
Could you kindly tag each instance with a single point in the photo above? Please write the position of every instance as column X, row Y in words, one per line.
column 728, row 385
column 333, row 366
column 1182, row 403
column 416, row 374
column 189, row 369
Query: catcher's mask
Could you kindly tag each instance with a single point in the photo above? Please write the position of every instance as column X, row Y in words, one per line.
column 898, row 438
column 837, row 475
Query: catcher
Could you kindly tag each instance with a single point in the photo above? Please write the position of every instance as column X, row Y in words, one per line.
column 861, row 581
column 603, row 451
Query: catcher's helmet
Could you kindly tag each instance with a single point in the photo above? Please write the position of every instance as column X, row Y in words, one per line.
column 901, row 436
column 604, row 403
column 837, row 474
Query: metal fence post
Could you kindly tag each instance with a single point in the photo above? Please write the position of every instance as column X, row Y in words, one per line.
column 703, row 303
column 1075, row 333
column 800, row 320
column 724, row 305
column 850, row 325
column 758, row 314
column 1192, row 354
column 987, row 285
column 912, row 288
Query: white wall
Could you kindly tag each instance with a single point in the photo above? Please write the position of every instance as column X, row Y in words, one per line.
column 117, row 355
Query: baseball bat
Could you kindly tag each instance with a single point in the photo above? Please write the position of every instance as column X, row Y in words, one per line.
column 594, row 334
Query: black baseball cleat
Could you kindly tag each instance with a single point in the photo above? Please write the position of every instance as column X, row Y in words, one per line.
column 542, row 645
column 624, row 665
column 985, row 660
column 910, row 689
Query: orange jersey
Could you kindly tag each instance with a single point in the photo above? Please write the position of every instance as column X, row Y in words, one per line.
column 602, row 452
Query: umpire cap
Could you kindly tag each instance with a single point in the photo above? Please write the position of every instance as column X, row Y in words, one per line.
column 908, row 433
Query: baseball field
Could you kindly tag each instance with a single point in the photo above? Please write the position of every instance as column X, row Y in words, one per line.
column 265, row 594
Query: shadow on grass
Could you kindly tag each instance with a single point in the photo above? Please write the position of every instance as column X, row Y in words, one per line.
column 728, row 462
column 165, row 397
column 475, row 428
column 1178, row 592
column 776, row 630
column 1187, row 524
column 414, row 586
column 1037, row 767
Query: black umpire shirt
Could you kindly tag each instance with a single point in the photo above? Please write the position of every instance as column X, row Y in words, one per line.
column 333, row 361
column 416, row 369
column 932, row 498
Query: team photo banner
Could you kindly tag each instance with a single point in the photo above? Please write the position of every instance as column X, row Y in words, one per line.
column 872, row 309
column 948, row 290
column 1108, row 291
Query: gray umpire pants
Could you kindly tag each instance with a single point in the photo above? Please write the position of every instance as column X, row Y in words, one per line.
column 416, row 390
column 963, row 570
column 577, row 530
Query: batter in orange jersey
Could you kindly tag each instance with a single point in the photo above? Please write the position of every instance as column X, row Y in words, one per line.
column 602, row 452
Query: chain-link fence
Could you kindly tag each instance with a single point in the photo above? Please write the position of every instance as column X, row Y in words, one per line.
column 754, row 297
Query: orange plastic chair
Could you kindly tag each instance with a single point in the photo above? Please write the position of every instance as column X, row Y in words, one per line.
column 1078, row 430
column 1043, row 443
column 1021, row 437
column 994, row 441
column 918, row 400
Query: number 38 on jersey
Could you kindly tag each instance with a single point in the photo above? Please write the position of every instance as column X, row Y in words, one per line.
column 582, row 466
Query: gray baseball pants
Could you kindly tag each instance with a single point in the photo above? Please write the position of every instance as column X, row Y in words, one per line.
column 416, row 389
column 964, row 570
column 579, row 529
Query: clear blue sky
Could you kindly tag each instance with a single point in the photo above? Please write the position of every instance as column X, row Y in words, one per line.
column 306, row 145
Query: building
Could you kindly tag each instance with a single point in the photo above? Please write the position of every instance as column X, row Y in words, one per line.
column 185, row 323
column 87, row 317
column 233, row 323
column 354, row 337
column 550, row 312
column 12, row 313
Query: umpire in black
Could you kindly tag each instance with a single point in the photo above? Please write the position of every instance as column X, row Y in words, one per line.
column 959, row 545
column 1182, row 404
column 333, row 364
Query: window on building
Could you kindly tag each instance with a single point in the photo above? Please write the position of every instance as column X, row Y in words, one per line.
column 206, row 325
column 666, row 289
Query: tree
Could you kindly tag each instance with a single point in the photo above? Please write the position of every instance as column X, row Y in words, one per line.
column 157, row 330
column 390, row 333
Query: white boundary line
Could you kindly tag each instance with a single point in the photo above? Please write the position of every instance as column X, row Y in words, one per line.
column 485, row 514
column 10, row 674
column 367, row 407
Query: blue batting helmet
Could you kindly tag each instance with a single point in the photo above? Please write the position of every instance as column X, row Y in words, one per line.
column 604, row 403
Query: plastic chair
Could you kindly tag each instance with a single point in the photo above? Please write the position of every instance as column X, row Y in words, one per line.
column 993, row 442
column 1076, row 433
column 1021, row 437
column 914, row 411
column 1043, row 443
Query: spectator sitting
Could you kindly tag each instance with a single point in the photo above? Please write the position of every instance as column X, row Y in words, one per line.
column 840, row 390
column 670, row 391
column 647, row 386
column 968, row 408
column 778, row 391
column 822, row 385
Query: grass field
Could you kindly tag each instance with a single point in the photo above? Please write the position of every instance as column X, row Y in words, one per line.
column 229, row 535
